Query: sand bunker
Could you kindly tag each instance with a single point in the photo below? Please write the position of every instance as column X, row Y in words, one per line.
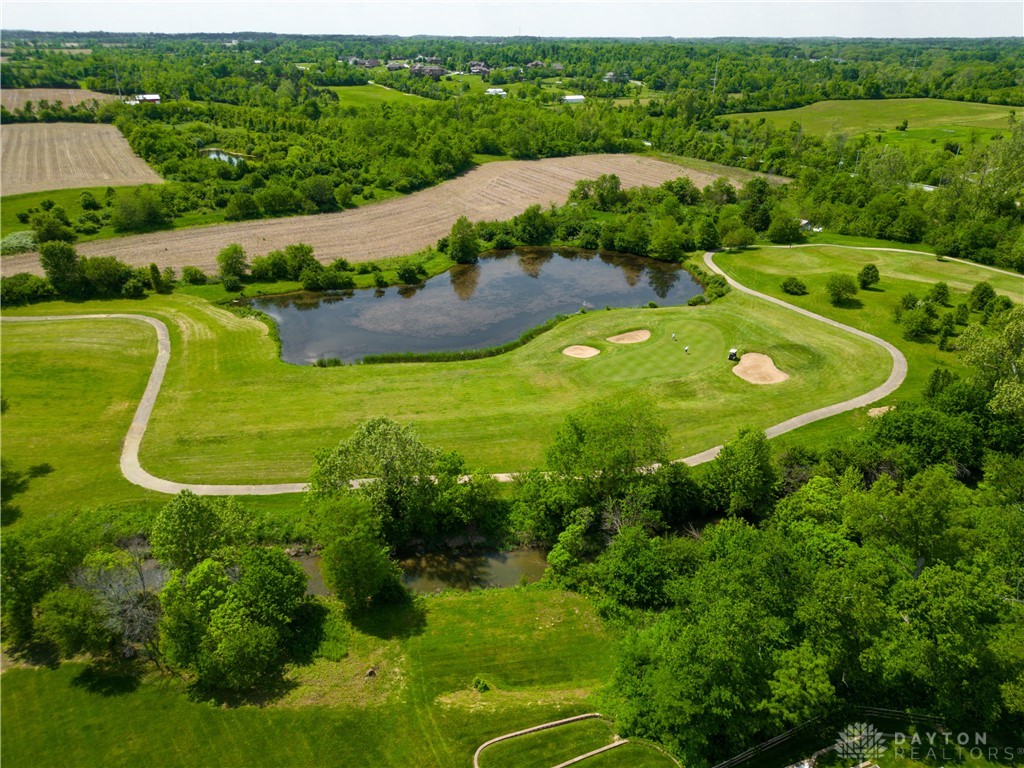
column 874, row 413
column 578, row 350
column 633, row 337
column 758, row 369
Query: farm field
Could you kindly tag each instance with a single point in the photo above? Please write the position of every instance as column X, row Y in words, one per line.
column 393, row 227
column 366, row 95
column 928, row 119
column 15, row 98
column 222, row 367
column 547, row 647
column 47, row 156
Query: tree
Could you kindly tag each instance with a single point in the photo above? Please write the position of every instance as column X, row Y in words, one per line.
column 138, row 210
column 938, row 293
column 231, row 261
column 105, row 275
column 463, row 247
column 241, row 206
column 186, row 531
column 739, row 238
column 667, row 241
column 356, row 563
column 743, row 480
column 602, row 446
column 50, row 226
column 63, row 267
column 706, row 234
column 784, row 229
column 533, row 226
column 840, row 288
column 996, row 352
column 980, row 296
column 633, row 570
column 868, row 276
column 71, row 619
column 794, row 287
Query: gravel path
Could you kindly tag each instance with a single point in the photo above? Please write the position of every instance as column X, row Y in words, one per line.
column 134, row 473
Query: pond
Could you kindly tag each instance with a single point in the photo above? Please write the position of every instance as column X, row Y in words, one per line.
column 430, row 573
column 473, row 306
column 227, row 157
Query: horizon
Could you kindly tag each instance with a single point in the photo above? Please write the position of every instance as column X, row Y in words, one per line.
column 558, row 19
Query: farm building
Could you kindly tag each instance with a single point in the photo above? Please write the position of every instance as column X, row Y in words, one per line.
column 496, row 92
column 144, row 98
column 574, row 99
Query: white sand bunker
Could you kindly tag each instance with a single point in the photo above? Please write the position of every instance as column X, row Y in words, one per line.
column 758, row 369
column 633, row 337
column 578, row 350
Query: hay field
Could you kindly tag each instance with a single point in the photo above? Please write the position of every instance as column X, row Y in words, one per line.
column 44, row 156
column 15, row 98
column 393, row 227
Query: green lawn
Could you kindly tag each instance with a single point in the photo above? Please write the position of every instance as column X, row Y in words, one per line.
column 764, row 269
column 928, row 119
column 544, row 749
column 631, row 755
column 368, row 95
column 231, row 411
column 331, row 714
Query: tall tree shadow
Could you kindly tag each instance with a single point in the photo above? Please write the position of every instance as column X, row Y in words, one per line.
column 108, row 678
column 14, row 483
column 396, row 620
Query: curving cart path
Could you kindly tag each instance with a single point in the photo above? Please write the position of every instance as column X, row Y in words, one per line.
column 132, row 469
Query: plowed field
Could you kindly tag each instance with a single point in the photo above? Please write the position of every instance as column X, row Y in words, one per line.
column 15, row 98
column 393, row 227
column 43, row 156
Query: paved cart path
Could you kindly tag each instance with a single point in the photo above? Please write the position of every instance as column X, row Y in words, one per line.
column 132, row 469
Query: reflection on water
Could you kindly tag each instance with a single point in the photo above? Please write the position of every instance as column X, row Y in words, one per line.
column 429, row 573
column 473, row 307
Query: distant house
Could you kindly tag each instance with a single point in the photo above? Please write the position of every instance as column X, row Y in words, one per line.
column 608, row 77
column 496, row 92
column 478, row 68
column 429, row 70
column 573, row 99
column 371, row 63
column 394, row 66
column 145, row 98
column 535, row 64
column 558, row 67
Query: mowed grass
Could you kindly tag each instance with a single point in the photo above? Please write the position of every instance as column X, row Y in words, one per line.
column 763, row 269
column 368, row 95
column 553, row 746
column 631, row 755
column 231, row 411
column 928, row 120
column 73, row 716
column 72, row 389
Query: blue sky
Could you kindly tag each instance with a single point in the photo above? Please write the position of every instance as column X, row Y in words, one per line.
column 561, row 18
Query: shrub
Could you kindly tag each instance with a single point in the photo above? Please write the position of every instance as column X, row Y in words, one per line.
column 133, row 289
column 794, row 287
column 193, row 276
column 938, row 293
column 841, row 288
column 784, row 230
column 231, row 261
column 697, row 300
column 18, row 242
column 327, row 362
column 868, row 276
column 232, row 283
column 24, row 288
column 408, row 275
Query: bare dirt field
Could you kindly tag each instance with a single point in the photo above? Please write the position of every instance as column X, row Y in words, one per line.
column 390, row 228
column 758, row 369
column 15, row 98
column 44, row 156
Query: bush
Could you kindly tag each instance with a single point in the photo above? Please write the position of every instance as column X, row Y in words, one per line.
column 868, row 276
column 794, row 287
column 232, row 283
column 193, row 276
column 328, row 362
column 24, row 288
column 697, row 300
column 231, row 261
column 408, row 275
column 18, row 242
column 133, row 289
column 841, row 288
column 784, row 230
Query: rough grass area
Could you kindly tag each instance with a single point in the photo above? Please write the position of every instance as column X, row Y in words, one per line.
column 80, row 716
column 631, row 755
column 231, row 411
column 928, row 120
column 764, row 269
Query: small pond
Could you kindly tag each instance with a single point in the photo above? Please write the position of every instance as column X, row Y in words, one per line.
column 430, row 573
column 473, row 306
column 227, row 157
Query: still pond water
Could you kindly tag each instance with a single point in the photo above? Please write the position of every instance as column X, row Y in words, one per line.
column 429, row 573
column 471, row 307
